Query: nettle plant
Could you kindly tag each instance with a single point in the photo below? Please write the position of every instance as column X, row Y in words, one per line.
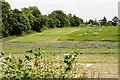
column 26, row 68
column 38, row 66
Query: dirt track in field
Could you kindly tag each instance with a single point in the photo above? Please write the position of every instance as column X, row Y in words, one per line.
column 56, row 39
column 52, row 40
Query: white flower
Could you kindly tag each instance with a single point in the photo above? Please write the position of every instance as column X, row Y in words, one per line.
column 73, row 56
column 88, row 65
column 105, row 72
column 0, row 68
column 67, row 54
column 43, row 51
column 57, row 57
column 58, row 65
column 29, row 67
column 1, row 58
column 82, row 64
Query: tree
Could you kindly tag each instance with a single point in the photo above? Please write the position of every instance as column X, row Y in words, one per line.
column 5, row 25
column 110, row 23
column 35, row 11
column 81, row 21
column 18, row 22
column 103, row 22
column 76, row 21
column 95, row 22
column 40, row 22
column 30, row 16
column 115, row 21
column 91, row 22
column 60, row 19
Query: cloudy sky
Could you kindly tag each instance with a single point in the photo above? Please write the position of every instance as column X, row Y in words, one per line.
column 86, row 9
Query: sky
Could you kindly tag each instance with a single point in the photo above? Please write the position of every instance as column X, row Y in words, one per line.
column 85, row 9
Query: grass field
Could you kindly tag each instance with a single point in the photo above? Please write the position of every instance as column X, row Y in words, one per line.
column 98, row 46
column 93, row 34
column 44, row 37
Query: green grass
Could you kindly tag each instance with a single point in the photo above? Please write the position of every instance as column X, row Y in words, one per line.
column 7, row 39
column 45, row 36
column 93, row 34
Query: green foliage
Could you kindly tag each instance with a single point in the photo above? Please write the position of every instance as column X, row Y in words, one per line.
column 115, row 21
column 60, row 19
column 35, row 11
column 33, row 69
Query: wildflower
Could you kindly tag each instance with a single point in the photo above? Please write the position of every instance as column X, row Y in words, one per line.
column 88, row 65
column 1, row 58
column 0, row 68
column 67, row 54
column 73, row 56
column 82, row 64
column 105, row 72
column 58, row 65
column 43, row 51
column 57, row 57
column 29, row 67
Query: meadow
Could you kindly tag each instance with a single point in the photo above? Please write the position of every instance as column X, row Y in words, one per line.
column 109, row 33
column 71, row 52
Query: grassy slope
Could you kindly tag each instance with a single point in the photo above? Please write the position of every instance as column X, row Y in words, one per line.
column 93, row 34
column 44, row 37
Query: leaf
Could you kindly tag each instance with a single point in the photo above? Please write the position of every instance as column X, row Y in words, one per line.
column 0, row 56
column 37, row 54
column 31, row 51
column 65, row 61
column 2, row 53
column 36, row 64
column 28, row 58
column 68, row 68
column 10, row 59
column 66, row 57
column 20, row 61
column 6, row 58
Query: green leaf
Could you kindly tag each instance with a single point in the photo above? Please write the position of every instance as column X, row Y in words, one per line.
column 36, row 64
column 65, row 61
column 2, row 53
column 27, row 57
column 0, row 56
column 30, row 51
column 68, row 68
column 10, row 59
column 20, row 61
column 6, row 58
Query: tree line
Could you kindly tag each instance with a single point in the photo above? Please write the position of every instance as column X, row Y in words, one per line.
column 16, row 22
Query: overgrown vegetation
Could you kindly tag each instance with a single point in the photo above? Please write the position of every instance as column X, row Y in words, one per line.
column 39, row 67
